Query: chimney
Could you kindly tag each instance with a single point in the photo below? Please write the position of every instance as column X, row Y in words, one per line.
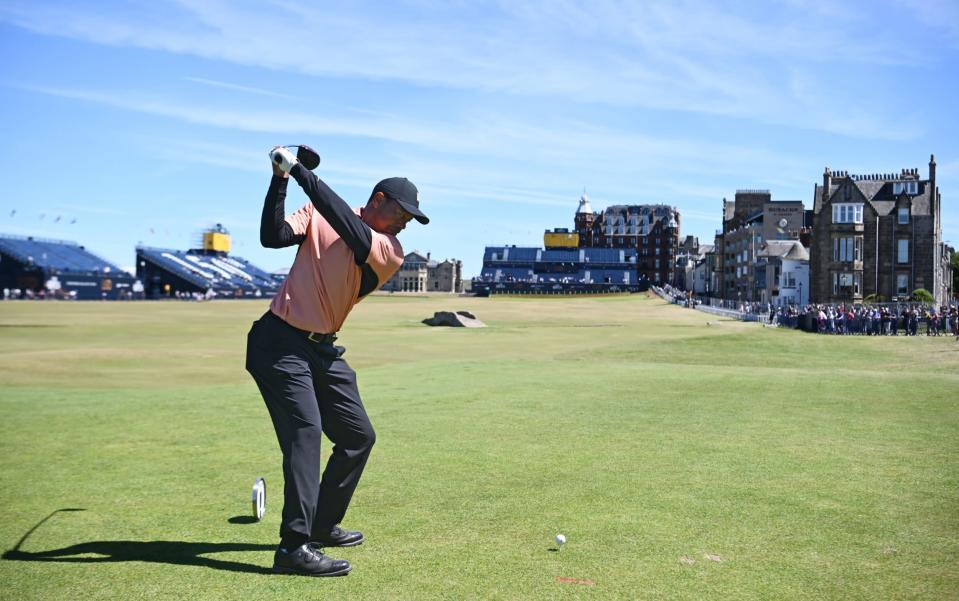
column 826, row 183
column 427, row 256
column 932, row 171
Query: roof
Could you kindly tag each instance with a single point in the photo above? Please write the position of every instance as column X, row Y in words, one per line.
column 223, row 273
column 57, row 255
column 414, row 257
column 878, row 193
column 792, row 250
column 584, row 204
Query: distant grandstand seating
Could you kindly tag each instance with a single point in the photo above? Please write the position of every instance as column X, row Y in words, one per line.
column 533, row 270
column 167, row 271
column 509, row 273
column 59, row 267
column 511, row 254
column 517, row 253
column 561, row 256
column 610, row 276
column 58, row 255
column 607, row 255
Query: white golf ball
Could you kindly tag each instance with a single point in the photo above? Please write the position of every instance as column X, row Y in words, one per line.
column 560, row 539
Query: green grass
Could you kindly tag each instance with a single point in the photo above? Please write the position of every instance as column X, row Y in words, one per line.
column 814, row 467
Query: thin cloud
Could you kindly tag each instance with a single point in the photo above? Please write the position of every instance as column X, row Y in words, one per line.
column 238, row 88
column 485, row 134
column 688, row 56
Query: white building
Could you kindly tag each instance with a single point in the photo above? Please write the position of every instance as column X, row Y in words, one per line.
column 785, row 265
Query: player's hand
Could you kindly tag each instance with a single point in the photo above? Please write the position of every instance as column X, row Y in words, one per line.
column 282, row 160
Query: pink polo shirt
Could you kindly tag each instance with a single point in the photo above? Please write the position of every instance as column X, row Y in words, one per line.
column 324, row 281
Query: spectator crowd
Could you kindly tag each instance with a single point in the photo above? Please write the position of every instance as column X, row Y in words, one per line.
column 871, row 320
column 889, row 319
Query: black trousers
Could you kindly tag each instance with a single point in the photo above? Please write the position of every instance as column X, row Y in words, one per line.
column 310, row 390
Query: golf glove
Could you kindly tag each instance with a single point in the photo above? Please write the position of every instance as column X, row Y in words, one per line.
column 283, row 158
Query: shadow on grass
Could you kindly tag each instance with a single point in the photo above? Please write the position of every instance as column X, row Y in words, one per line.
column 243, row 519
column 172, row 552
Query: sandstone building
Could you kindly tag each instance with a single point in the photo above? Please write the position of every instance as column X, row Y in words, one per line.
column 422, row 274
column 878, row 235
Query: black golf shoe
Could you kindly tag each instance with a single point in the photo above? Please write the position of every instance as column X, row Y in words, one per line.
column 306, row 560
column 337, row 537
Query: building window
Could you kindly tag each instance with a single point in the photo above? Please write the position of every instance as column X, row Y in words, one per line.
column 845, row 283
column 847, row 249
column 903, row 215
column 902, row 284
column 847, row 213
column 907, row 187
column 657, row 263
column 789, row 280
column 657, row 250
column 902, row 251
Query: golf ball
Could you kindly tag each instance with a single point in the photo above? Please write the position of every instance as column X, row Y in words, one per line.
column 560, row 539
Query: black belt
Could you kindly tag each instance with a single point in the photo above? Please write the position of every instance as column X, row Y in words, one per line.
column 316, row 337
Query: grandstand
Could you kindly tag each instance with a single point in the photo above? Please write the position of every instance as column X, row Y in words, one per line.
column 37, row 267
column 624, row 247
column 517, row 269
column 209, row 270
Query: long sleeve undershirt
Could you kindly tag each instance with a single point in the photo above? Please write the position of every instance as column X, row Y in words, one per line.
column 276, row 232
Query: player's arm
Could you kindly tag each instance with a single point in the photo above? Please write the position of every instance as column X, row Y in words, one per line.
column 275, row 231
column 357, row 235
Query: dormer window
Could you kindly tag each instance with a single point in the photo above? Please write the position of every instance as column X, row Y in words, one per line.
column 911, row 188
column 847, row 213
column 903, row 215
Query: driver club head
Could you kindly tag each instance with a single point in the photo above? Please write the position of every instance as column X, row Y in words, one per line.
column 309, row 157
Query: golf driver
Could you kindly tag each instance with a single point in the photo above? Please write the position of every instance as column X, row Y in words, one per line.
column 304, row 154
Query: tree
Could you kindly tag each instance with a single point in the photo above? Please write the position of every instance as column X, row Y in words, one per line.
column 922, row 295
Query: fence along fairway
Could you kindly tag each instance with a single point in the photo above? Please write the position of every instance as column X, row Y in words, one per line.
column 812, row 466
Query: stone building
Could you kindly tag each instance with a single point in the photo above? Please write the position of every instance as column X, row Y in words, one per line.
column 652, row 230
column 702, row 278
column 748, row 222
column 877, row 235
column 422, row 274
column 687, row 255
column 445, row 276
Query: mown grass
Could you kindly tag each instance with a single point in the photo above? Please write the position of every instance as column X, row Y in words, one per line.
column 806, row 467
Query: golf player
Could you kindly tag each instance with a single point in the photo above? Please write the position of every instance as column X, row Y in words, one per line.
column 309, row 390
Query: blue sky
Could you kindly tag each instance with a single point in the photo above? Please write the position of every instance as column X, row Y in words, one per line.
column 145, row 122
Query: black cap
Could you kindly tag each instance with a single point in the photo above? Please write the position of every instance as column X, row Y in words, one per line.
column 404, row 192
